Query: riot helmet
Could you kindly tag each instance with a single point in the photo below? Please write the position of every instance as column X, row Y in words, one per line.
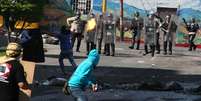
column 193, row 20
column 91, row 15
column 167, row 18
column 137, row 14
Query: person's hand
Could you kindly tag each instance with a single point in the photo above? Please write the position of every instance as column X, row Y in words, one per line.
column 27, row 92
column 94, row 87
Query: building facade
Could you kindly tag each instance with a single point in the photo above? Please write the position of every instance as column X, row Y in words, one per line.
column 83, row 6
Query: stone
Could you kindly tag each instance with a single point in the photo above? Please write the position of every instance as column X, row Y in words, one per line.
column 173, row 86
column 154, row 85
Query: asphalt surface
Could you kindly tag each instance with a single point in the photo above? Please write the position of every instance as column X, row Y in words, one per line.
column 126, row 67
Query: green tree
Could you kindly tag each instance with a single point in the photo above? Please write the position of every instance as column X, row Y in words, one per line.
column 25, row 10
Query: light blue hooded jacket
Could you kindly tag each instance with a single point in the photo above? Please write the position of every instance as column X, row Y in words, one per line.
column 82, row 75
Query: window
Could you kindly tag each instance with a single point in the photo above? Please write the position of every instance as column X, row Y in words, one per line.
column 83, row 6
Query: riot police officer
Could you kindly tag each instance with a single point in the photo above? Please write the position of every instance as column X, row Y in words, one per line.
column 158, row 21
column 77, row 28
column 90, row 34
column 168, row 35
column 192, row 29
column 150, row 34
column 137, row 25
column 99, row 31
column 109, row 35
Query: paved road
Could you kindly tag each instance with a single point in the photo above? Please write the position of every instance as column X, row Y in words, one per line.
column 128, row 66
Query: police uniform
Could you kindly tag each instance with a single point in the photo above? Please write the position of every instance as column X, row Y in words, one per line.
column 150, row 35
column 158, row 21
column 192, row 29
column 99, row 31
column 109, row 35
column 167, row 28
column 77, row 27
column 90, row 35
column 137, row 25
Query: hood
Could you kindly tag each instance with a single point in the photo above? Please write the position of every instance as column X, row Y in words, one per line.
column 94, row 56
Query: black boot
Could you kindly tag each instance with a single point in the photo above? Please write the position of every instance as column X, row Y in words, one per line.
column 133, row 43
column 194, row 47
column 138, row 45
column 99, row 46
column 157, row 43
column 88, row 47
column 170, row 48
column 131, row 47
column 146, row 50
column 152, row 50
column 107, row 50
column 158, row 49
column 78, row 45
column 113, row 49
column 165, row 48
column 190, row 48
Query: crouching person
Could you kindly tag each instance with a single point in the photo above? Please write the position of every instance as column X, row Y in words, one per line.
column 12, row 78
column 82, row 77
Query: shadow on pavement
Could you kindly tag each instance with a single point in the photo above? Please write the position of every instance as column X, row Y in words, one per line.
column 57, row 56
column 116, row 75
column 115, row 100
column 110, row 75
column 127, row 55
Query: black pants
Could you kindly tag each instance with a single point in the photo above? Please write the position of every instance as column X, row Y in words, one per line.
column 191, row 42
column 136, row 37
column 107, row 49
column 157, row 42
column 99, row 45
column 152, row 47
column 167, row 42
column 90, row 46
column 77, row 36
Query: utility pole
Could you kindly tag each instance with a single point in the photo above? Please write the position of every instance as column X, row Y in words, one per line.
column 104, row 6
column 121, row 21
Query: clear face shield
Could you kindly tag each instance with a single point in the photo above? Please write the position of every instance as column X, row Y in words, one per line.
column 167, row 18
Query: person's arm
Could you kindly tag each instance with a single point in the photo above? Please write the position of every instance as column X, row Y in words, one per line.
column 22, row 83
column 91, row 82
column 70, row 20
column 24, row 37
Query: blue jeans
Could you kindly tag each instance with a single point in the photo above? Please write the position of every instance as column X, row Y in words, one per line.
column 66, row 54
column 78, row 94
